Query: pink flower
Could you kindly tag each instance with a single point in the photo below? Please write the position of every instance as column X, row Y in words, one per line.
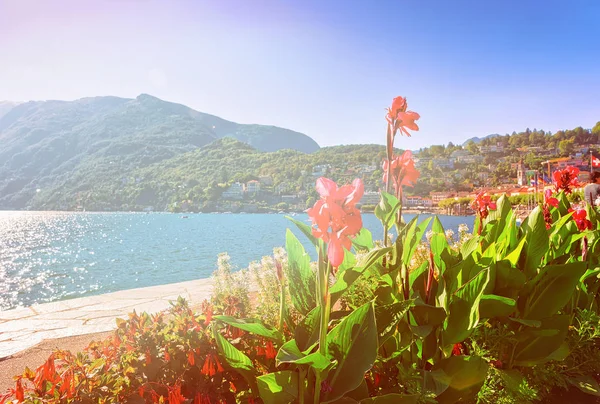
column 403, row 171
column 482, row 204
column 335, row 217
column 550, row 200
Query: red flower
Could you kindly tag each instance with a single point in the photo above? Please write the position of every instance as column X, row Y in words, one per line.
column 580, row 217
column 402, row 170
column 212, row 366
column 482, row 204
column 19, row 393
column 202, row 398
column 270, row 351
column 457, row 349
column 550, row 200
column 175, row 396
column 278, row 269
column 565, row 180
column 399, row 118
column 335, row 217
column 190, row 358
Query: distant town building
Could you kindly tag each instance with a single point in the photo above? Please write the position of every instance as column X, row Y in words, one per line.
column 253, row 187
column 436, row 197
column 320, row 170
column 235, row 191
column 370, row 198
column 443, row 163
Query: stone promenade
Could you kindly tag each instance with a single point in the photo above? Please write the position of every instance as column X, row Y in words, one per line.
column 23, row 328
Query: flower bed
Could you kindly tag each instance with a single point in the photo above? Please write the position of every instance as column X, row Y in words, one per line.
column 505, row 314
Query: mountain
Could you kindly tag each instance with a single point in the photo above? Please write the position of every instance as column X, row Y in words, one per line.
column 46, row 144
column 6, row 106
column 479, row 139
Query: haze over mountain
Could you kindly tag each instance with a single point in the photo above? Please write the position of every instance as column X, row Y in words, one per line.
column 47, row 143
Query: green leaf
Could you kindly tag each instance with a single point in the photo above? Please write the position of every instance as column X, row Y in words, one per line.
column 279, row 387
column 426, row 317
column 306, row 229
column 363, row 240
column 470, row 246
column 347, row 275
column 491, row 306
column 353, row 343
column 254, row 326
column 537, row 243
column 464, row 375
column 299, row 274
column 463, row 311
column 551, row 290
column 537, row 345
column 307, row 330
column 413, row 238
column 392, row 398
column 388, row 316
column 236, row 359
column 585, row 383
column 528, row 323
column 386, row 208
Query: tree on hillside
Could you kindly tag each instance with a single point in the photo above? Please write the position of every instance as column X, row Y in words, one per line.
column 566, row 147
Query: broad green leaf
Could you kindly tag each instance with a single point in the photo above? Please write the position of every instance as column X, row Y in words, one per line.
column 537, row 243
column 279, row 387
column 363, row 240
column 353, row 343
column 392, row 398
column 387, row 208
column 413, row 237
column 513, row 380
column 469, row 246
column 528, row 323
column 515, row 254
column 306, row 229
column 585, row 383
column 551, row 290
column 465, row 375
column 463, row 311
column 289, row 353
column 509, row 280
column 307, row 330
column 301, row 278
column 491, row 306
column 252, row 325
column 388, row 316
column 346, row 276
column 236, row 359
column 426, row 317
column 537, row 345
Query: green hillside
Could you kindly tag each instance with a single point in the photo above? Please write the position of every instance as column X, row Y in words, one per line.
column 47, row 146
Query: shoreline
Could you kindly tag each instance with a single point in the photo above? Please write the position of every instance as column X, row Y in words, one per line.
column 24, row 328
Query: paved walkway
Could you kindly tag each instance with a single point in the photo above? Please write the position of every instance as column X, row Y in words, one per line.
column 23, row 328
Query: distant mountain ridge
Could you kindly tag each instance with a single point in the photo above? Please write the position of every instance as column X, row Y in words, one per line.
column 478, row 140
column 46, row 143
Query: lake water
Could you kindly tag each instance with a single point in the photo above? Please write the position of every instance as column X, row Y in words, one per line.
column 48, row 256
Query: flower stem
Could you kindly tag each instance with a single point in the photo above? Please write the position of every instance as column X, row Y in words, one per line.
column 281, row 306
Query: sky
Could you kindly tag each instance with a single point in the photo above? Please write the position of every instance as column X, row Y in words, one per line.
column 325, row 68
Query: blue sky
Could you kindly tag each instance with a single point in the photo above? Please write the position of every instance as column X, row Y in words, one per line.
column 325, row 68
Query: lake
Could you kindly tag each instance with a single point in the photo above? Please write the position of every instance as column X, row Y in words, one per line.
column 48, row 256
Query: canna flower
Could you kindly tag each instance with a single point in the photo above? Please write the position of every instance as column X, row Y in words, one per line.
column 550, row 200
column 399, row 118
column 202, row 398
column 565, row 180
column 402, row 171
column 335, row 217
column 580, row 217
column 482, row 204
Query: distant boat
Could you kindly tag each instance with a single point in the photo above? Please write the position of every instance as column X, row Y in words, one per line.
column 184, row 217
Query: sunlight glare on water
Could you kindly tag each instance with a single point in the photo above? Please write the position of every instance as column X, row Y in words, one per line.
column 48, row 256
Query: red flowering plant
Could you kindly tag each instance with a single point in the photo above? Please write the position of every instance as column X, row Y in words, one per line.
column 482, row 204
column 566, row 180
column 581, row 219
column 549, row 201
